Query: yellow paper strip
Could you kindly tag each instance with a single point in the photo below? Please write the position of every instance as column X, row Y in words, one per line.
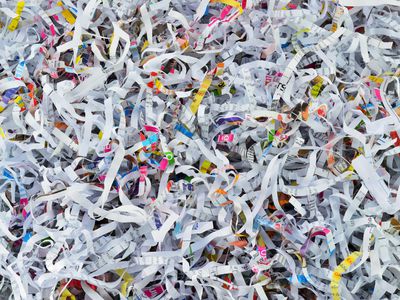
column 18, row 10
column 200, row 94
column 339, row 270
column 67, row 295
column 127, row 280
column 204, row 167
column 2, row 133
column 68, row 16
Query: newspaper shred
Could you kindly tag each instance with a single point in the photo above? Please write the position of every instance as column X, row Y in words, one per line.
column 208, row 149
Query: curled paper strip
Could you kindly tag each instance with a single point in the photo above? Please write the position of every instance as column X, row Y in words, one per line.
column 213, row 149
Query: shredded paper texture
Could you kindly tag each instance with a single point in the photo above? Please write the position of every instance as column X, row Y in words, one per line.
column 199, row 149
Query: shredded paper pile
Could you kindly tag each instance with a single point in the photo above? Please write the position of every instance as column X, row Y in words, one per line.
column 199, row 149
